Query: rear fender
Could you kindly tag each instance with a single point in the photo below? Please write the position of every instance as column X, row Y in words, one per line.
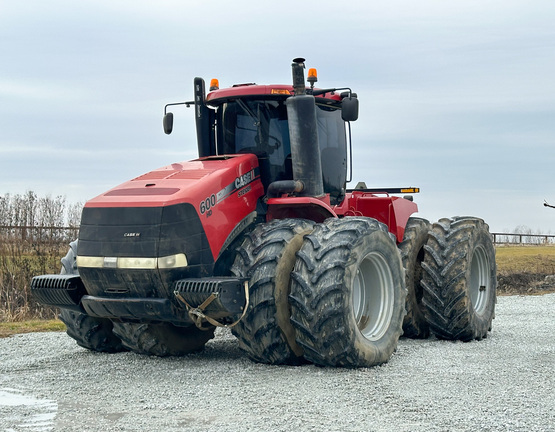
column 390, row 210
column 300, row 208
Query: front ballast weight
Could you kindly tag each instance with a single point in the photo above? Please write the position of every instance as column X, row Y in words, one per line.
column 221, row 302
column 213, row 300
column 63, row 290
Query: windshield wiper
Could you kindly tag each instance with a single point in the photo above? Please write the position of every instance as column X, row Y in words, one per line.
column 245, row 108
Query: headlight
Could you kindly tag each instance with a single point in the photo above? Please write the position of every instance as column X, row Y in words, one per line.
column 167, row 262
column 172, row 261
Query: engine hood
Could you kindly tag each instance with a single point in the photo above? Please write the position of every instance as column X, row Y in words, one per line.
column 211, row 197
column 190, row 181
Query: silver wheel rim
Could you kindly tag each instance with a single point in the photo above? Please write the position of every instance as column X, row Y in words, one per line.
column 373, row 296
column 480, row 285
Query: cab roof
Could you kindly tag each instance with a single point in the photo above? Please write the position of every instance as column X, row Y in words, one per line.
column 241, row 90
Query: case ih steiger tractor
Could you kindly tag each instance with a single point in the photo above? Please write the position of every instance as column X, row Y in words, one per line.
column 261, row 234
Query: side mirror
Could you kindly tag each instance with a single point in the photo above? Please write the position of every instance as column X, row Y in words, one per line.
column 168, row 123
column 349, row 108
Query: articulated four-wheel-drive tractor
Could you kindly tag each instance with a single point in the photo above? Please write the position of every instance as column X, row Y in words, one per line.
column 261, row 234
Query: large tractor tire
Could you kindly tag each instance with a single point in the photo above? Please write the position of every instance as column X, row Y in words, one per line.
column 267, row 257
column 348, row 293
column 91, row 333
column 162, row 339
column 412, row 252
column 459, row 279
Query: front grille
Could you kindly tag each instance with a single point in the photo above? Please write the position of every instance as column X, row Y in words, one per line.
column 142, row 232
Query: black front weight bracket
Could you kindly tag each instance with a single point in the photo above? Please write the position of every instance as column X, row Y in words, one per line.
column 211, row 299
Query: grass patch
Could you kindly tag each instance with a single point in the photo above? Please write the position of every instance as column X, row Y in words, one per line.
column 11, row 328
column 525, row 259
column 525, row 270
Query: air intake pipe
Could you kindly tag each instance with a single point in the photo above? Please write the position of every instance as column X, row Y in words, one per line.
column 303, row 134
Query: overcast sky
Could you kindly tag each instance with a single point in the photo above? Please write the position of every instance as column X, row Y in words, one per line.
column 456, row 97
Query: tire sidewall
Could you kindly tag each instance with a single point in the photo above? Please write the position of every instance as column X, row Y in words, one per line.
column 379, row 351
column 480, row 323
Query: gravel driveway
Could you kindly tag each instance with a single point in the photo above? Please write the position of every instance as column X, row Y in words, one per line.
column 505, row 382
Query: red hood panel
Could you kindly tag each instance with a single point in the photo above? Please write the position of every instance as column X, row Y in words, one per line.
column 223, row 191
column 177, row 183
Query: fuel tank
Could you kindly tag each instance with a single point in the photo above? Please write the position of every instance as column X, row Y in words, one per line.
column 166, row 225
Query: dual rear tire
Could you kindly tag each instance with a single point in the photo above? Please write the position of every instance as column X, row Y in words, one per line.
column 459, row 279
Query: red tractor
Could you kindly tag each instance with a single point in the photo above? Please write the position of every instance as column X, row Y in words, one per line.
column 261, row 234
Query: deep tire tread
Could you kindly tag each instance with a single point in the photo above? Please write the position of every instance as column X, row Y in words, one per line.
column 267, row 256
column 92, row 333
column 320, row 294
column 447, row 303
column 162, row 339
column 412, row 253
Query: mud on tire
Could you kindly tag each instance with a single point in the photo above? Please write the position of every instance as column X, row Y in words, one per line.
column 459, row 279
column 267, row 257
column 89, row 332
column 412, row 252
column 162, row 339
column 348, row 293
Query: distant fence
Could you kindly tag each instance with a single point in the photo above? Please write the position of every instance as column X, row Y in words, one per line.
column 67, row 234
column 532, row 239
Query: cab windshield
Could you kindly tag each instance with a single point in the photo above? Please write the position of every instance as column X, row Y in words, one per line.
column 260, row 127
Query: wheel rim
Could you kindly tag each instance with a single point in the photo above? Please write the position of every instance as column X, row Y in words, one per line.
column 373, row 296
column 480, row 285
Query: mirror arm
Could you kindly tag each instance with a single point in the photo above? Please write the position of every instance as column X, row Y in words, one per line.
column 188, row 104
column 330, row 90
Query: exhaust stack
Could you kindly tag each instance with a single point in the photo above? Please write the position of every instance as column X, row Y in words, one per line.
column 303, row 134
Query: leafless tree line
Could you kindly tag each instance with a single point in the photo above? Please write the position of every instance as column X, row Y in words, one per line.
column 34, row 235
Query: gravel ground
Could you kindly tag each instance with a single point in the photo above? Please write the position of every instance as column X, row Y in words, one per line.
column 503, row 383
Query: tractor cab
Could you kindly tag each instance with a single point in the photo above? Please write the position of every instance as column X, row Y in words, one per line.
column 260, row 126
column 250, row 118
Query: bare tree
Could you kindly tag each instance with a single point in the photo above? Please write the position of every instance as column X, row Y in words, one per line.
column 33, row 238
column 74, row 215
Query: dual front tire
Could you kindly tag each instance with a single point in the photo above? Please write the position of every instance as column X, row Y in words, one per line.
column 330, row 293
column 348, row 294
column 103, row 335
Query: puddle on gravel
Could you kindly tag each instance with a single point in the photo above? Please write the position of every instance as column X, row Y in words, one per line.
column 22, row 411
